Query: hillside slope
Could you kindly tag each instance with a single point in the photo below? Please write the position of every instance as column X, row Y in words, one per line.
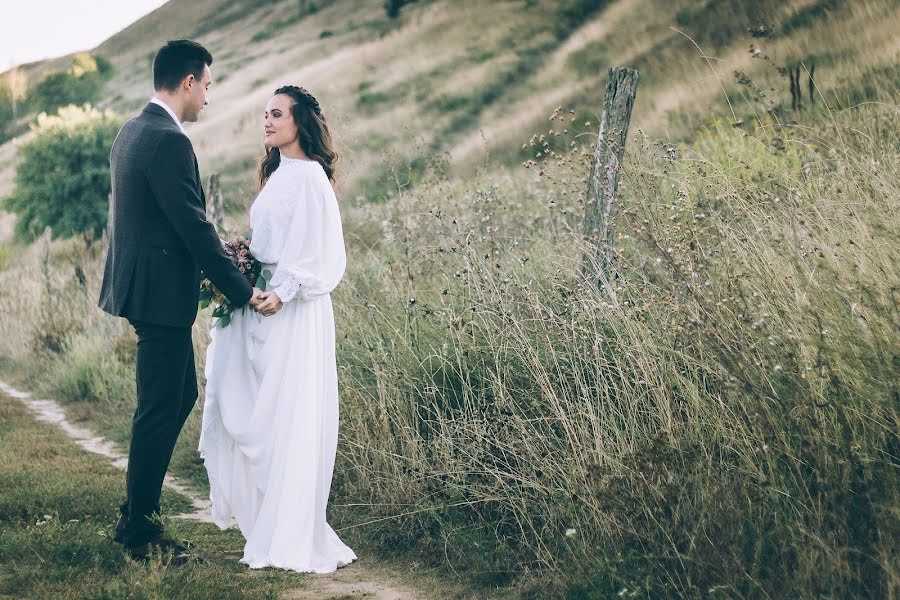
column 470, row 78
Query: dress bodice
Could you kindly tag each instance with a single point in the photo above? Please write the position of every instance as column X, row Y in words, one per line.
column 296, row 224
column 271, row 212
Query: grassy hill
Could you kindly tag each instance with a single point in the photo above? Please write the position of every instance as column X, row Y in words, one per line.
column 472, row 79
column 719, row 420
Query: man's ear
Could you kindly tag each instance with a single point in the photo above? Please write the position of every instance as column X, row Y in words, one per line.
column 188, row 82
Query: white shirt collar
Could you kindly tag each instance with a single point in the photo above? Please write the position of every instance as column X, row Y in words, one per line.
column 171, row 112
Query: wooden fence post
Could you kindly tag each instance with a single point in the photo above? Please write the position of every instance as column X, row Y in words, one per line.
column 797, row 89
column 621, row 89
column 812, row 85
column 794, row 88
column 215, row 204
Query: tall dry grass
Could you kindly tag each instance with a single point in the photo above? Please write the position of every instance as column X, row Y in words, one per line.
column 719, row 420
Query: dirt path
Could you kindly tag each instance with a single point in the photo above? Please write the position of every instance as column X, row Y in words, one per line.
column 361, row 579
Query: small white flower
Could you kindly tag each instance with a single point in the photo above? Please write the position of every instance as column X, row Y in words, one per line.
column 570, row 532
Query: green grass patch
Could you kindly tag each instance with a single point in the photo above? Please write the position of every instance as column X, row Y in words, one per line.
column 304, row 9
column 876, row 83
column 57, row 507
column 6, row 254
column 371, row 102
column 479, row 55
column 381, row 183
column 590, row 60
column 809, row 15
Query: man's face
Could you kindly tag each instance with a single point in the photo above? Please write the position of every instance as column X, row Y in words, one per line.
column 197, row 95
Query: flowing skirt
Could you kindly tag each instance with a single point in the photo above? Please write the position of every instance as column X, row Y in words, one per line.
column 269, row 434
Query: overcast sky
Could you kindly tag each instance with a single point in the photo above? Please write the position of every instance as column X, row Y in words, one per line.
column 35, row 29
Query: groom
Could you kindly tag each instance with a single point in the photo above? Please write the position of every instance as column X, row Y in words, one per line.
column 159, row 240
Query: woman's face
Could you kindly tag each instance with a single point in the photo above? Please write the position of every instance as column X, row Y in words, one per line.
column 280, row 129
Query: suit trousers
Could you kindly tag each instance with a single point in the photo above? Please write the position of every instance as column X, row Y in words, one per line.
column 166, row 393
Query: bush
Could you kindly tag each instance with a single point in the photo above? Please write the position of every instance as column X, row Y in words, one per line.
column 62, row 180
column 80, row 84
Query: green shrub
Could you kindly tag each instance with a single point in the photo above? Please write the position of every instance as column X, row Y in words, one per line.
column 81, row 84
column 62, row 180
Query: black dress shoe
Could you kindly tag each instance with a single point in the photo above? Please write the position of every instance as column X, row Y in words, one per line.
column 119, row 532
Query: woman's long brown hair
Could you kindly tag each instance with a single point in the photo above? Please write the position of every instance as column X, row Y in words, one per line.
column 312, row 129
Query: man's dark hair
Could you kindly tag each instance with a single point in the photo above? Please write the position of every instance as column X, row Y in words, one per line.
column 176, row 60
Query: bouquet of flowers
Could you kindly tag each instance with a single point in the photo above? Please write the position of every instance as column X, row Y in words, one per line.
column 238, row 248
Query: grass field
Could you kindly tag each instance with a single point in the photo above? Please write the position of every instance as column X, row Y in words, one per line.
column 474, row 79
column 57, row 508
column 719, row 421
column 723, row 418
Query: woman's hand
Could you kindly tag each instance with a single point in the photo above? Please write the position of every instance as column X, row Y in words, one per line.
column 270, row 304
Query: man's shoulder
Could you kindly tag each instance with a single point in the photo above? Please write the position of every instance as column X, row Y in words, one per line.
column 149, row 134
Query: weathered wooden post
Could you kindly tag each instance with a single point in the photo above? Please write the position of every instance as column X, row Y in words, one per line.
column 812, row 85
column 604, row 181
column 215, row 204
column 796, row 89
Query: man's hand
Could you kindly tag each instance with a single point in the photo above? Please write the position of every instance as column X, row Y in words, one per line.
column 270, row 305
column 257, row 298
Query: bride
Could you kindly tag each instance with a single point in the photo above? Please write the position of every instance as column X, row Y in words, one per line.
column 270, row 418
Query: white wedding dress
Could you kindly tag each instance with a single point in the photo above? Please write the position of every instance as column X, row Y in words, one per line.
column 270, row 418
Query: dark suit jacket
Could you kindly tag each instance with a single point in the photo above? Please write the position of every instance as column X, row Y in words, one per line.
column 159, row 237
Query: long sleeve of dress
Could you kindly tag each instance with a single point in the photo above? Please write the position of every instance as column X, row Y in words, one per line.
column 313, row 258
